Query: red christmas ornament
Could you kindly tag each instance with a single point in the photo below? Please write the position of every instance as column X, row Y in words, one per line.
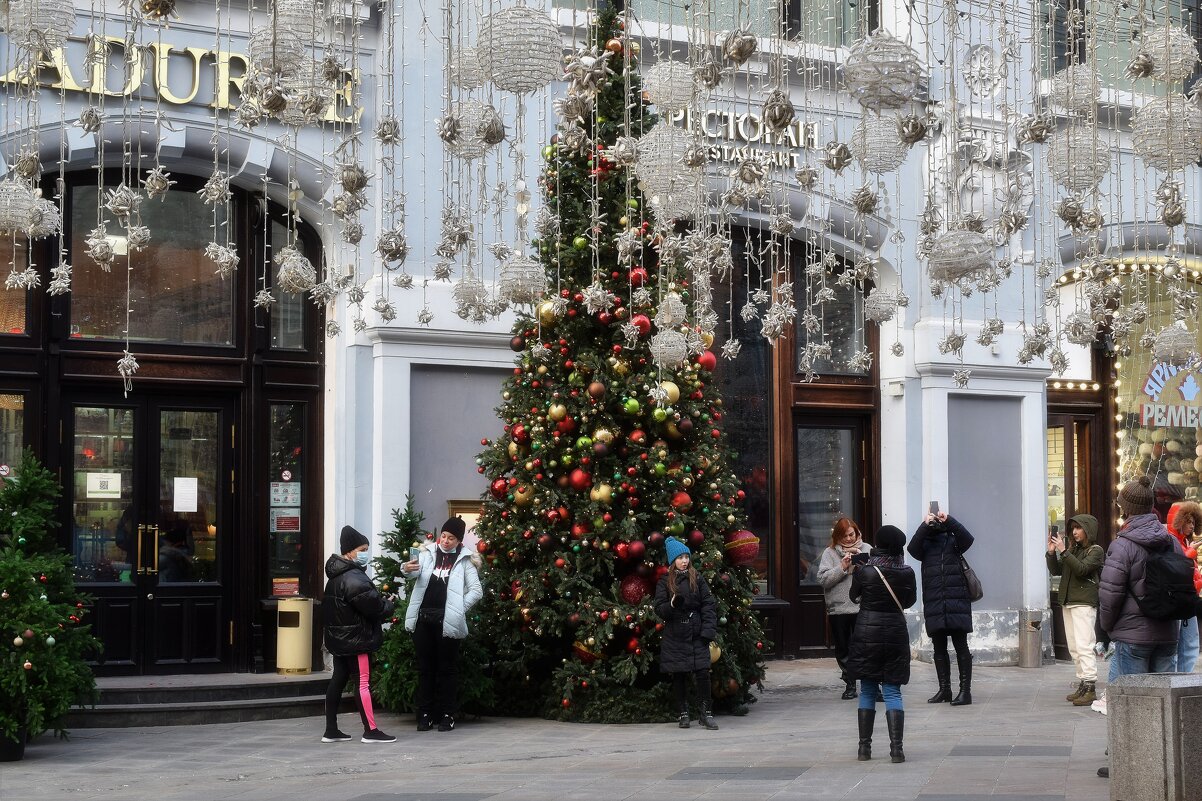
column 604, row 615
column 499, row 488
column 642, row 323
column 632, row 644
column 580, row 480
column 696, row 538
column 482, row 546
column 638, row 276
column 681, row 500
column 519, row 433
column 655, row 538
column 634, row 589
column 742, row 547
column 707, row 360
column 544, row 540
column 638, row 548
column 622, row 551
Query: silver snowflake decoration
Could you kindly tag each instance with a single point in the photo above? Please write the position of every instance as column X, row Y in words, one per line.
column 640, row 297
column 575, row 140
column 574, row 109
column 216, row 190
column 403, row 281
column 60, row 280
column 961, row 377
column 597, row 298
column 127, row 365
column 356, row 294
column 122, row 202
column 249, row 114
column 157, row 182
column 385, row 309
column 500, row 250
column 865, row 200
column 559, row 306
column 392, row 246
column 731, row 348
column 333, row 329
column 836, row 157
column 630, row 332
column 749, row 312
column 629, row 243
column 781, row 224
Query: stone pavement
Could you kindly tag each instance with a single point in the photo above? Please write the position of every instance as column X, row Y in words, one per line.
column 1019, row 741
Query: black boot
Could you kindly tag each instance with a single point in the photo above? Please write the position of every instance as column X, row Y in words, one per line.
column 964, row 698
column 707, row 717
column 683, row 719
column 866, row 719
column 943, row 671
column 849, row 689
column 895, row 719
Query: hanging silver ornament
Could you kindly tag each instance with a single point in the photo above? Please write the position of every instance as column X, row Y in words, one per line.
column 882, row 72
column 731, row 348
column 990, row 330
column 1141, row 66
column 865, row 200
column 961, row 378
column 309, row 95
column 1172, row 214
column 573, row 108
column 1076, row 88
column 295, row 273
column 959, row 254
column 388, row 130
column 708, row 72
column 1173, row 51
column 464, row 68
column 1035, row 129
column 332, row 70
column 90, row 120
column 403, row 281
column 781, row 224
column 587, row 69
column 249, row 113
column 322, row 293
column 778, row 113
column 157, row 183
column 1071, row 210
column 28, row 166
column 122, row 202
column 471, row 298
column 1077, row 158
column 670, row 85
column 952, row 343
column 836, row 156
column 1080, row 328
column 624, row 152
column 911, row 129
column 16, row 206
column 1167, row 133
column 879, row 306
column 897, row 349
column 696, row 156
column 264, row 299
column 668, row 349
column 392, row 246
column 137, row 237
column 522, row 280
column 224, row 256
column 346, row 205
column 45, row 219
column 352, row 177
column 660, row 167
column 38, row 26
column 216, row 189
column 1175, row 345
column 575, row 140
column 274, row 50
column 352, row 232
column 60, row 279
column 806, row 176
column 520, row 49
column 739, row 45
column 876, row 145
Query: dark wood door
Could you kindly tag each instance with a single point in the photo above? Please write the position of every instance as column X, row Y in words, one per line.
column 150, row 499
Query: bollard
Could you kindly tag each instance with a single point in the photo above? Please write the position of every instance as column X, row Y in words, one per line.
column 1148, row 717
column 294, row 635
column 1030, row 638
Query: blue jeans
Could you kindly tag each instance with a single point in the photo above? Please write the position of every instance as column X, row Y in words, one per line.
column 1131, row 659
column 1187, row 646
column 869, row 693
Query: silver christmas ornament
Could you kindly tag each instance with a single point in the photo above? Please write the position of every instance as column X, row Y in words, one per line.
column 1076, row 88
column 1167, row 133
column 38, row 26
column 224, row 256
column 1080, row 328
column 911, row 129
column 670, row 85
column 864, row 200
column 880, row 306
column 310, row 96
column 122, row 202
column 520, row 49
column 295, row 273
column 836, row 156
column 882, row 72
column 668, row 349
column 1172, row 50
column 465, row 69
column 1140, row 66
column 392, row 246
column 90, row 120
column 739, row 45
column 876, row 145
column 16, row 206
column 1035, row 129
column 157, row 183
column 708, row 73
column 352, row 177
column 959, row 254
column 778, row 113
column 1077, row 158
column 216, row 190
column 806, row 176
column 624, row 152
column 1175, row 345
column 388, row 130
column 522, row 280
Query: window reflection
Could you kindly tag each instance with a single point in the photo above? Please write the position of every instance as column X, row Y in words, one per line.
column 839, row 321
column 286, row 488
column 13, row 256
column 189, row 448
column 288, row 312
column 105, row 522
column 12, row 428
column 826, row 478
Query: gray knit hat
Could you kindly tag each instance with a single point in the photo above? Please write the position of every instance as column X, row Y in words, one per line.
column 1136, row 497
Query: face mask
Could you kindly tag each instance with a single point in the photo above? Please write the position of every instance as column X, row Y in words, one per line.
column 363, row 557
column 445, row 550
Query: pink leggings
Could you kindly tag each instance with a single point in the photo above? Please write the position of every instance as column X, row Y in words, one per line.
column 357, row 668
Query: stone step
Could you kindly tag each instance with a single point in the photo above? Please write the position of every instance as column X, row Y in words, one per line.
column 191, row 713
column 203, row 691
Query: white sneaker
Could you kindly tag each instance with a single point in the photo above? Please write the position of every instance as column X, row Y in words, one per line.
column 1100, row 704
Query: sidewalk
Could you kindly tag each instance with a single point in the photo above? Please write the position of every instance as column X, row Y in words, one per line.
column 1019, row 741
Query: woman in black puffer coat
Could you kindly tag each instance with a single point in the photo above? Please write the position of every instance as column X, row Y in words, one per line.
column 938, row 544
column 354, row 616
column 879, row 655
column 690, row 616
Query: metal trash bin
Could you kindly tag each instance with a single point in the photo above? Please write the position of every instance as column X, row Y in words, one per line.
column 1030, row 638
column 294, row 635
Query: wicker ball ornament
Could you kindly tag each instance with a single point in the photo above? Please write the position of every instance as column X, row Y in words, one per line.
column 475, row 119
column 959, row 254
column 277, row 51
column 465, row 69
column 41, row 25
column 309, row 94
column 663, row 176
column 670, row 85
column 877, row 145
column 296, row 274
column 880, row 306
column 669, row 349
column 16, row 206
column 1077, row 158
column 1172, row 50
column 1175, row 345
column 45, row 219
column 1167, row 133
column 882, row 72
column 1076, row 88
column 520, row 49
column 522, row 280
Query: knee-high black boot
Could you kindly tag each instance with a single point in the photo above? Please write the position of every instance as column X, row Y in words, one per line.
column 866, row 719
column 964, row 697
column 943, row 671
column 895, row 719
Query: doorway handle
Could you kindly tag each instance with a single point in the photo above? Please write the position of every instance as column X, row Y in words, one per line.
column 150, row 596
column 141, row 564
column 155, row 545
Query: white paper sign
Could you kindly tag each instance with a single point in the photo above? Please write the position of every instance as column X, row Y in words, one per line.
column 285, row 493
column 104, row 485
column 185, row 494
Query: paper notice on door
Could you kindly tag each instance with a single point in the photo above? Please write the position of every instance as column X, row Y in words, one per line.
column 104, row 485
column 185, row 494
column 285, row 493
column 284, row 520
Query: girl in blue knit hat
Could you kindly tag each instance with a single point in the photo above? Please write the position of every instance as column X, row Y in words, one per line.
column 690, row 615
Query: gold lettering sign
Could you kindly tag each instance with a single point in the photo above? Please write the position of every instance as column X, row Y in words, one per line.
column 736, row 136
column 107, row 56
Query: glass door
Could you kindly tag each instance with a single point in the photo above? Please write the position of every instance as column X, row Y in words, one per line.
column 151, row 494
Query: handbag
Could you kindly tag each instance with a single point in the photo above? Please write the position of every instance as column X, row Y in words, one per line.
column 900, row 608
column 975, row 591
column 428, row 615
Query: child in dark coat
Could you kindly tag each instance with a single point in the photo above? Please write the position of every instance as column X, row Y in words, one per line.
column 690, row 615
column 879, row 655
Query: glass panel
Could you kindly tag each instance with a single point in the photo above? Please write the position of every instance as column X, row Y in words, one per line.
column 1079, row 501
column 175, row 293
column 288, row 312
column 840, row 318
column 189, row 466
column 826, row 479
column 12, row 428
column 286, row 486
column 1057, row 503
column 831, row 23
column 105, row 523
column 746, row 386
column 13, row 256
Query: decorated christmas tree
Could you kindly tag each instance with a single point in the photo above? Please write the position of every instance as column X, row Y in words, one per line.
column 43, row 641
column 396, row 661
column 613, row 433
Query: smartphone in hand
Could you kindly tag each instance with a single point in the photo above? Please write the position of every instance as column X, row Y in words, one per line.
column 933, row 509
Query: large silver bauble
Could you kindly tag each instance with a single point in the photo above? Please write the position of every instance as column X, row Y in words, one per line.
column 1078, row 159
column 882, row 72
column 1167, row 133
column 959, row 254
column 670, row 85
column 877, row 145
column 520, row 49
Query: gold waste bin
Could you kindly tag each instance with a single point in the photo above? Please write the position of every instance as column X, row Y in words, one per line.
column 294, row 636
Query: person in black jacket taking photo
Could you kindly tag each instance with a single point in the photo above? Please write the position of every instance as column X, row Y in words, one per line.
column 938, row 544
column 690, row 615
column 879, row 655
column 354, row 615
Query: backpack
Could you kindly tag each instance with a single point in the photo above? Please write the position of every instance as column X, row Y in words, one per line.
column 1169, row 592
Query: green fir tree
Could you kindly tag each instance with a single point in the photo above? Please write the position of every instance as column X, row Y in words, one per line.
column 397, row 683
column 44, row 644
column 604, row 454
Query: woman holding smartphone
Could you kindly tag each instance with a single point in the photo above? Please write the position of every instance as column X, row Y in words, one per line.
column 946, row 608
column 835, row 570
column 448, row 584
column 1079, row 564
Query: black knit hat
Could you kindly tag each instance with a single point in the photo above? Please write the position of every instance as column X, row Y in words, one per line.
column 350, row 539
column 1136, row 497
column 890, row 540
column 455, row 525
